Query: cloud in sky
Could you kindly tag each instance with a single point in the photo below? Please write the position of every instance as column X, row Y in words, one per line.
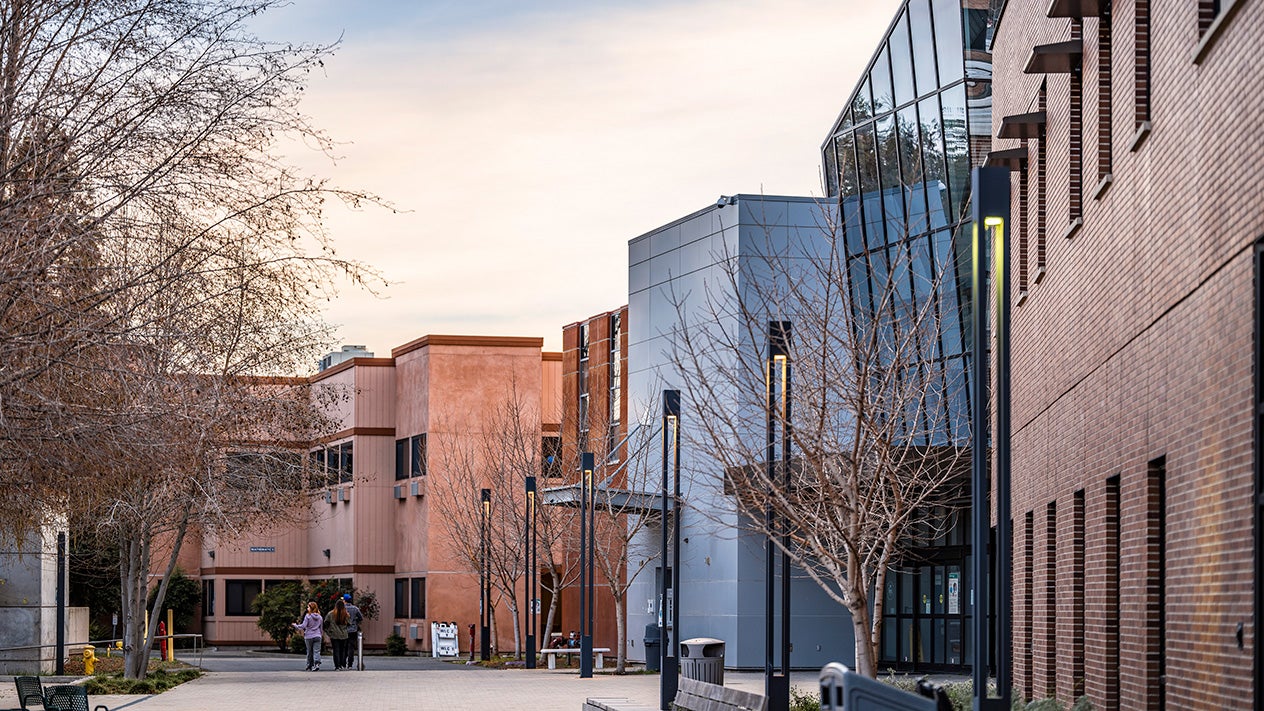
column 528, row 142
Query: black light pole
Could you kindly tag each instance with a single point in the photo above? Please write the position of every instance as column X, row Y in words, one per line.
column 61, row 603
column 485, row 582
column 529, row 549
column 777, row 683
column 587, row 544
column 990, row 191
column 669, row 678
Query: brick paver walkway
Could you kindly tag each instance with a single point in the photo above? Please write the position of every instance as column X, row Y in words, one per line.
column 422, row 690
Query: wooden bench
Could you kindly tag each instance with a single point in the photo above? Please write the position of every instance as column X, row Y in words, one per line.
column 690, row 696
column 598, row 652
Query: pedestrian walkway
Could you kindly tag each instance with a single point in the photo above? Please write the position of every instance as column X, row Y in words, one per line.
column 455, row 689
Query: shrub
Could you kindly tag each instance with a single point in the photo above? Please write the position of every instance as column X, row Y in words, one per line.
column 396, row 646
column 804, row 701
column 279, row 607
column 297, row 645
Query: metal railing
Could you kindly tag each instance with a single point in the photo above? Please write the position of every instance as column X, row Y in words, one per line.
column 108, row 644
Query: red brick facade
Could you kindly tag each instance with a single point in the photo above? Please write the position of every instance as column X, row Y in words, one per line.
column 1132, row 371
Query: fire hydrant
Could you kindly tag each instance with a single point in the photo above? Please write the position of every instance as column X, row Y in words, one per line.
column 162, row 642
column 89, row 659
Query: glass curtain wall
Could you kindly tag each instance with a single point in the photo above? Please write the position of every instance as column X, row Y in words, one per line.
column 898, row 161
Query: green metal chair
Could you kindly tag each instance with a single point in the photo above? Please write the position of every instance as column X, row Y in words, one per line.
column 68, row 698
column 29, row 690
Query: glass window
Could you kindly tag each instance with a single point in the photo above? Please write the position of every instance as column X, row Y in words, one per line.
column 345, row 472
column 551, row 451
column 208, row 598
column 951, row 313
column 862, row 103
column 889, row 174
column 901, row 62
column 401, row 459
column 880, row 75
column 951, row 57
column 860, row 287
column 417, row 457
column 923, row 46
column 956, row 149
column 933, row 160
column 417, row 598
column 906, row 129
column 401, row 598
column 830, row 167
column 239, row 596
column 867, row 169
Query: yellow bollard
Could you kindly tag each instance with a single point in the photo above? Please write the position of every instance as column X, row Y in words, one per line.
column 89, row 659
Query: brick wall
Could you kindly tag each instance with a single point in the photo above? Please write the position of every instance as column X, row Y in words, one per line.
column 1134, row 348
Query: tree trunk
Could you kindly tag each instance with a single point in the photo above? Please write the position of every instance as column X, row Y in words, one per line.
column 621, row 624
column 866, row 660
column 546, row 632
column 134, row 573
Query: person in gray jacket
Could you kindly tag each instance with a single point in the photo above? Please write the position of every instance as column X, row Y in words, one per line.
column 353, row 630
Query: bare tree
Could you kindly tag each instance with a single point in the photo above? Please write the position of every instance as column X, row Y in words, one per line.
column 159, row 263
column 877, row 430
column 500, row 458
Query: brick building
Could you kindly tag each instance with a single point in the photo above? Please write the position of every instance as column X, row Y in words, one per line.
column 1138, row 176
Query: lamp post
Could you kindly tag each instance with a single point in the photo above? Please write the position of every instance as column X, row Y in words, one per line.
column 669, row 676
column 587, row 545
column 485, row 576
column 777, row 382
column 529, row 549
column 990, row 191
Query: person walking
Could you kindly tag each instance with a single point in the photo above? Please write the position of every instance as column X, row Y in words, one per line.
column 310, row 626
column 353, row 629
column 336, row 625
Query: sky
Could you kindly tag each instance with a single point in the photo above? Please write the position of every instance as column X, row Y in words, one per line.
column 523, row 143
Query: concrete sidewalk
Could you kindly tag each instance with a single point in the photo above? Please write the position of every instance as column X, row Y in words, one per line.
column 456, row 689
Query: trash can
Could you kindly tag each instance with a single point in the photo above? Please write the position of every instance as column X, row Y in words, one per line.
column 653, row 650
column 702, row 659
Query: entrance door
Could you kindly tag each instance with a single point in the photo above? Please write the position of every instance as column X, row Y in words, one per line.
column 926, row 615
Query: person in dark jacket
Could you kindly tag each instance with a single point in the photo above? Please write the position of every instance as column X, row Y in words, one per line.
column 353, row 629
column 336, row 623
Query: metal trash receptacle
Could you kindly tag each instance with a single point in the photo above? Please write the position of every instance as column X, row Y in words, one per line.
column 702, row 659
column 653, row 650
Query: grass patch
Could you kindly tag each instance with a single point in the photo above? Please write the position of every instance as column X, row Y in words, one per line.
column 156, row 682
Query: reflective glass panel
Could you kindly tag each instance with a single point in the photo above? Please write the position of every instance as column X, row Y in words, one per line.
column 859, row 286
column 956, row 149
column 831, row 169
column 949, row 307
column 933, row 160
column 883, row 95
column 901, row 61
column 890, row 632
column 867, row 168
column 911, row 168
column 923, row 46
column 948, row 40
column 906, row 639
column 862, row 104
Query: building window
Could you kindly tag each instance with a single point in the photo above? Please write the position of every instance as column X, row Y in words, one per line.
column 345, row 468
column 1051, row 600
column 417, row 598
column 615, row 398
column 1208, row 11
column 1156, row 584
column 582, row 439
column 239, row 597
column 410, row 457
column 1029, row 570
column 208, row 598
column 1111, row 564
column 417, row 455
column 401, row 598
column 1077, row 595
column 1022, row 254
column 401, row 459
column 551, row 456
column 1075, row 177
column 1103, row 93
column 1042, row 166
column 1141, row 59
